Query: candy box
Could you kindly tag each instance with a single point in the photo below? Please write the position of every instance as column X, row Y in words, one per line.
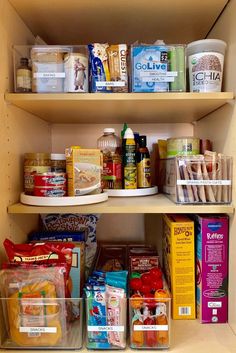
column 111, row 258
column 212, row 238
column 142, row 259
column 179, row 264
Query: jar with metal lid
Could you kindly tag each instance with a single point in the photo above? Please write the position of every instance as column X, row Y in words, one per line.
column 35, row 163
column 58, row 162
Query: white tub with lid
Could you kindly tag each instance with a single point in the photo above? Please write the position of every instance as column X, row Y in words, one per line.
column 205, row 62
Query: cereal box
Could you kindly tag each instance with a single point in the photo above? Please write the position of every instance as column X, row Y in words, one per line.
column 83, row 167
column 179, row 264
column 212, row 234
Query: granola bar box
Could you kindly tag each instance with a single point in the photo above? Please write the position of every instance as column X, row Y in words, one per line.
column 212, row 237
column 83, row 167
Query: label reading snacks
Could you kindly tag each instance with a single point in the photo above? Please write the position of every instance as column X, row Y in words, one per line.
column 150, row 327
column 106, row 328
column 23, row 329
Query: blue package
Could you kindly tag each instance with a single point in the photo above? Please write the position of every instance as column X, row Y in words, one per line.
column 98, row 68
column 149, row 68
column 57, row 236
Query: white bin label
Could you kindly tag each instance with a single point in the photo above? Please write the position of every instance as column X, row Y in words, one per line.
column 49, row 75
column 110, row 84
column 150, row 327
column 203, row 182
column 106, row 328
column 38, row 329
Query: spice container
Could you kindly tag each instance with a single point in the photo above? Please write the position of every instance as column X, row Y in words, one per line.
column 58, row 162
column 35, row 163
column 23, row 76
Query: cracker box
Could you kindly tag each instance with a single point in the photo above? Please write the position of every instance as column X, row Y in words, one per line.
column 83, row 167
column 179, row 264
column 212, row 236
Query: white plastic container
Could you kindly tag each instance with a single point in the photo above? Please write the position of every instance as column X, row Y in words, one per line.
column 206, row 62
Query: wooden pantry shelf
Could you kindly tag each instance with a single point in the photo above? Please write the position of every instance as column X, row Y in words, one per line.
column 189, row 336
column 146, row 204
column 119, row 107
column 83, row 21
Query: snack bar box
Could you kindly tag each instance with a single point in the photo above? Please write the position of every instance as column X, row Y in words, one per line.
column 179, row 264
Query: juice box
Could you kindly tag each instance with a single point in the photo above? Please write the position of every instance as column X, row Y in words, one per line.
column 179, row 264
column 212, row 234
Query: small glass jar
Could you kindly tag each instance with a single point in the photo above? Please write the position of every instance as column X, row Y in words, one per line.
column 58, row 162
column 35, row 163
column 23, row 76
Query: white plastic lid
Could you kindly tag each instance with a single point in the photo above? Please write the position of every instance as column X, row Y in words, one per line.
column 128, row 134
column 204, row 45
column 109, row 130
column 58, row 157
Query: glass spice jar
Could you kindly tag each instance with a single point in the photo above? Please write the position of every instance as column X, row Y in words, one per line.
column 35, row 163
column 58, row 162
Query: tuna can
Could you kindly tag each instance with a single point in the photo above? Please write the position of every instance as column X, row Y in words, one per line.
column 50, row 191
column 50, row 179
column 183, row 146
column 76, row 70
column 205, row 62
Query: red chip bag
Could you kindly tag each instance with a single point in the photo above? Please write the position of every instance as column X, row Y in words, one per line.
column 48, row 253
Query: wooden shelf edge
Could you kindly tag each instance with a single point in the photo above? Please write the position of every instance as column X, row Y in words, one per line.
column 16, row 97
column 156, row 204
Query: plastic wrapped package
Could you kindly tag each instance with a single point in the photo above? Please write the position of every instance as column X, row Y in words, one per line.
column 32, row 314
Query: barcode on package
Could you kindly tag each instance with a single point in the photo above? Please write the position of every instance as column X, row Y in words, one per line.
column 184, row 310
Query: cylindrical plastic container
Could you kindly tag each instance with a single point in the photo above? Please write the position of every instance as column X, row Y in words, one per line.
column 110, row 145
column 183, row 146
column 205, row 63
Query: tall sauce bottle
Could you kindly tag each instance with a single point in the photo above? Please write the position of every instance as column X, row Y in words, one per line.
column 129, row 160
column 110, row 145
column 143, row 164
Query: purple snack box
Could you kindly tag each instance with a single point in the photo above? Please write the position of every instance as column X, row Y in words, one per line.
column 212, row 237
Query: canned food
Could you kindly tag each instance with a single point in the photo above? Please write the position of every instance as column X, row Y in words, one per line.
column 50, row 191
column 76, row 72
column 35, row 163
column 50, row 179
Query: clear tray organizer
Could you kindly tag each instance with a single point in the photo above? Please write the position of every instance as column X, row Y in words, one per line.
column 106, row 322
column 41, row 323
column 50, row 68
column 202, row 179
column 150, row 322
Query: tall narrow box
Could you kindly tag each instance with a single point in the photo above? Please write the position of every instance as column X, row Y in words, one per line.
column 212, row 234
column 179, row 264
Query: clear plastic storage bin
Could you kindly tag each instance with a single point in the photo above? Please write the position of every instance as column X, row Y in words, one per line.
column 150, row 322
column 158, row 68
column 52, row 68
column 199, row 179
column 106, row 322
column 41, row 323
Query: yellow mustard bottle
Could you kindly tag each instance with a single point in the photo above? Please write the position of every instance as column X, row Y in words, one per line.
column 129, row 160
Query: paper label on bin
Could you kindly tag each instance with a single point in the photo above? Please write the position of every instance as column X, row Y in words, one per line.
column 203, row 182
column 49, row 75
column 158, row 73
column 42, row 329
column 150, row 327
column 106, row 328
column 110, row 84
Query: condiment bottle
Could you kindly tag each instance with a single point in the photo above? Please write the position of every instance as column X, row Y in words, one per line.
column 150, row 335
column 143, row 164
column 110, row 145
column 129, row 160
column 23, row 76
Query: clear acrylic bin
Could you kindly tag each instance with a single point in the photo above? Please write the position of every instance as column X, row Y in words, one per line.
column 158, row 68
column 51, row 69
column 106, row 322
column 201, row 179
column 41, row 323
column 150, row 322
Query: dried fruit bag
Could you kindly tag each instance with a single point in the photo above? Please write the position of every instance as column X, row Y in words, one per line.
column 34, row 316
